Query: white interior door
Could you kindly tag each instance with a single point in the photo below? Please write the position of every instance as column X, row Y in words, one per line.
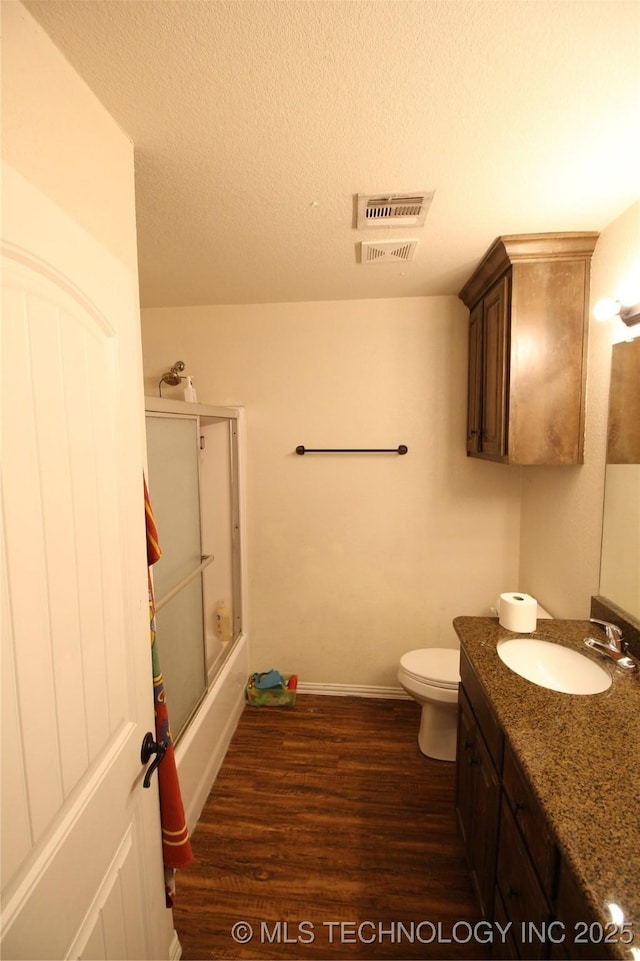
column 81, row 852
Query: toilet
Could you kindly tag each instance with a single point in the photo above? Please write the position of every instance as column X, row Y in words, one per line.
column 431, row 677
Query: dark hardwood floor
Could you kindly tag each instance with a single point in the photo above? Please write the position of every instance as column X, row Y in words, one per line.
column 328, row 835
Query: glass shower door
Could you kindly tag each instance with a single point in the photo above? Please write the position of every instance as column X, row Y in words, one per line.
column 172, row 453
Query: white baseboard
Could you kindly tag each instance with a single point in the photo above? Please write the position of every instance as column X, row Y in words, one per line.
column 175, row 948
column 352, row 690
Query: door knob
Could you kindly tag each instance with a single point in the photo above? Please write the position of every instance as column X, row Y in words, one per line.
column 150, row 747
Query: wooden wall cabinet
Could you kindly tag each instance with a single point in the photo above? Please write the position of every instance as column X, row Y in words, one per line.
column 528, row 327
column 519, row 877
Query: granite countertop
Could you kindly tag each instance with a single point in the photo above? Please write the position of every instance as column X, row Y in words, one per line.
column 582, row 757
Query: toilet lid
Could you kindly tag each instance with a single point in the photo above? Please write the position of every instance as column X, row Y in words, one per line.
column 436, row 665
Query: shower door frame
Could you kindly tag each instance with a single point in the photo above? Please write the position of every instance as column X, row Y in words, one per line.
column 209, row 414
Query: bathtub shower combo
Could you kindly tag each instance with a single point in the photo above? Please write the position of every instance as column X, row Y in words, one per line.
column 194, row 456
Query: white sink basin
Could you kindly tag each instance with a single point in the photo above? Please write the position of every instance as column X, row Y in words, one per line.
column 553, row 666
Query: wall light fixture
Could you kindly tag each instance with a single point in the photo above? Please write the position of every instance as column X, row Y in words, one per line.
column 173, row 376
column 608, row 308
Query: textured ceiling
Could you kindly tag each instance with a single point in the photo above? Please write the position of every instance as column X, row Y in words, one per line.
column 255, row 124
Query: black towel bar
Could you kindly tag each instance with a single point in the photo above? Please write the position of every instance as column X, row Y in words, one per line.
column 402, row 449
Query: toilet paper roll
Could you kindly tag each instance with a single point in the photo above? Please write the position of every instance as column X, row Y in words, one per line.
column 518, row 612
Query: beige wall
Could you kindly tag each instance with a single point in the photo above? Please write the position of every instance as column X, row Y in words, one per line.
column 562, row 507
column 352, row 559
column 57, row 134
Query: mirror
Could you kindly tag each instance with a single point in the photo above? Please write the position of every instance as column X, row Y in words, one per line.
column 620, row 557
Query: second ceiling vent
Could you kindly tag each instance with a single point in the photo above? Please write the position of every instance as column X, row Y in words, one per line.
column 393, row 210
column 386, row 251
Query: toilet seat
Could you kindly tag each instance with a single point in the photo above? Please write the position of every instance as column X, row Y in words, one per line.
column 436, row 666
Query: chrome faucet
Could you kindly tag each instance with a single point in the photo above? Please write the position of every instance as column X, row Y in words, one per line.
column 614, row 635
column 615, row 647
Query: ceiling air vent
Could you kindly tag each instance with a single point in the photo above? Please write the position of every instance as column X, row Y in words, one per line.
column 386, row 251
column 393, row 210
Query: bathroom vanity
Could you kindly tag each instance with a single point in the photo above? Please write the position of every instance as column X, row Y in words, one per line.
column 547, row 799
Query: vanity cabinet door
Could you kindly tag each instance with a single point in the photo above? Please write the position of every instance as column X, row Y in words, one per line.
column 482, row 852
column 465, row 769
column 477, row 804
column 584, row 937
column 531, row 822
column 504, row 946
column 524, row 903
column 482, row 711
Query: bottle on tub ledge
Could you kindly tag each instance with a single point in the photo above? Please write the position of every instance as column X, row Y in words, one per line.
column 190, row 391
column 223, row 622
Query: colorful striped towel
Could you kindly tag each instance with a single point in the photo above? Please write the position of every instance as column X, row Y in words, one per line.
column 176, row 846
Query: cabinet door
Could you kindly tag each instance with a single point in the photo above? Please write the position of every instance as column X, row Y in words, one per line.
column 474, row 407
column 465, row 770
column 477, row 805
column 520, row 891
column 531, row 822
column 484, row 838
column 577, row 921
column 493, row 439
